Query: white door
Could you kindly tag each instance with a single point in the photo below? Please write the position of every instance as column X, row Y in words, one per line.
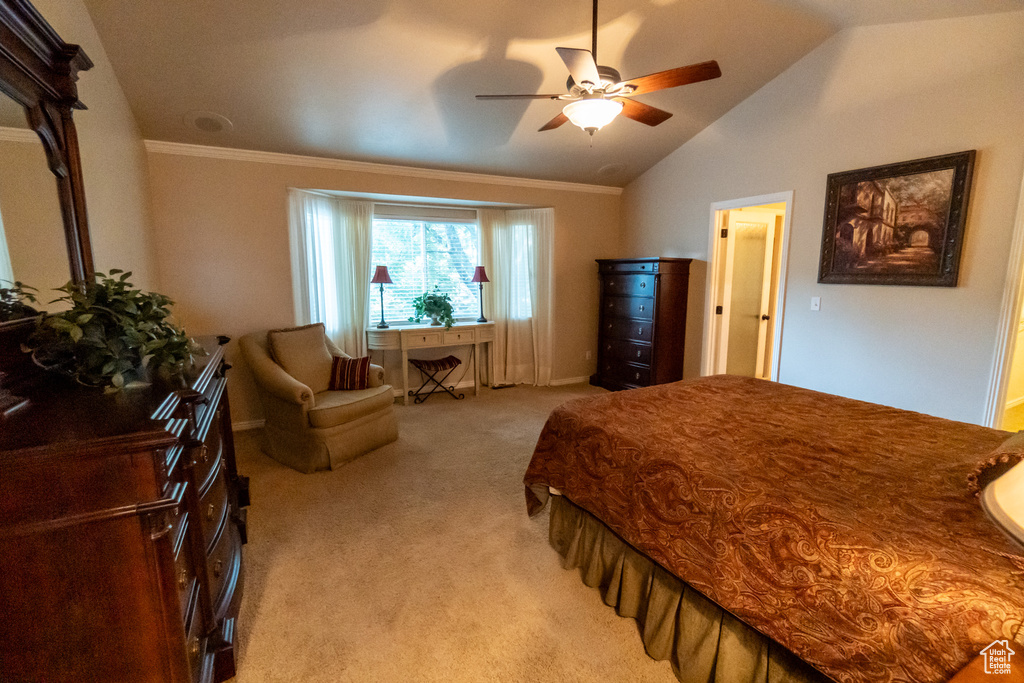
column 746, row 258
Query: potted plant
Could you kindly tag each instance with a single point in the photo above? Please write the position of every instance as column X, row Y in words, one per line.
column 111, row 335
column 435, row 304
column 15, row 300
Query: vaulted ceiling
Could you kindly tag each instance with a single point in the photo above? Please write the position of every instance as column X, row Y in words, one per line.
column 393, row 81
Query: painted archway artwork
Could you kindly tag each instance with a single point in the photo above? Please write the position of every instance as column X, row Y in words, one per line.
column 899, row 224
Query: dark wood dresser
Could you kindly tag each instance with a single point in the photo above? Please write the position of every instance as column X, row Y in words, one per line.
column 642, row 326
column 122, row 522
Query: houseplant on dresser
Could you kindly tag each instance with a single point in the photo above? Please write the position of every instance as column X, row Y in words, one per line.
column 111, row 334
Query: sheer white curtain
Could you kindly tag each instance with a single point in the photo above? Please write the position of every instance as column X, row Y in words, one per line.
column 330, row 244
column 6, row 270
column 517, row 252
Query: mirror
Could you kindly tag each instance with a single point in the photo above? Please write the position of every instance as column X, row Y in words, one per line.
column 32, row 246
column 38, row 75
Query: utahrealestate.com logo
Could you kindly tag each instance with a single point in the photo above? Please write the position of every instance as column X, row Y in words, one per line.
column 997, row 657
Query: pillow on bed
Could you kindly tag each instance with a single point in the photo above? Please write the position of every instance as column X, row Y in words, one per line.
column 302, row 352
column 1008, row 454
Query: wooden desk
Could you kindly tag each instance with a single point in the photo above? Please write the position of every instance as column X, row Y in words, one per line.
column 404, row 337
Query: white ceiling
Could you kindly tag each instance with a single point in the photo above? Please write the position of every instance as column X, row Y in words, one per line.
column 393, row 81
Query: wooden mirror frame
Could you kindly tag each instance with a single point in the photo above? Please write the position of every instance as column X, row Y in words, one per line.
column 40, row 72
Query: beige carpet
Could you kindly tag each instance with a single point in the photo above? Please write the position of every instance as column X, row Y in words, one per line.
column 417, row 562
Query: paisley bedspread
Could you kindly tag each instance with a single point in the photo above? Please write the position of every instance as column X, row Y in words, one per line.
column 841, row 529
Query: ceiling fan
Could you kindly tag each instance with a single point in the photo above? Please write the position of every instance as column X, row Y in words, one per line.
column 597, row 94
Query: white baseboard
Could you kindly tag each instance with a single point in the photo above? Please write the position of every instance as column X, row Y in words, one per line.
column 246, row 425
column 569, row 380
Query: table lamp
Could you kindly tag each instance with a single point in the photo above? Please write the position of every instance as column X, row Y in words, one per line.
column 381, row 277
column 479, row 275
column 1003, row 500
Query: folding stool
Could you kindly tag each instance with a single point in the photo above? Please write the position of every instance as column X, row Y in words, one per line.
column 430, row 369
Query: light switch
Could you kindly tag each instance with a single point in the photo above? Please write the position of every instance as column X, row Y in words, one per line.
column 815, row 303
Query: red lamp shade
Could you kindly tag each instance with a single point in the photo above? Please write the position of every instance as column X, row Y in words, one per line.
column 381, row 276
column 479, row 275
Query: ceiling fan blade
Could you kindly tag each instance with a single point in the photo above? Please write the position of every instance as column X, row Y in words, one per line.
column 580, row 63
column 554, row 123
column 644, row 113
column 518, row 97
column 673, row 78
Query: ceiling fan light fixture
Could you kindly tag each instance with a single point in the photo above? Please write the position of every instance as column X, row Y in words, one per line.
column 592, row 114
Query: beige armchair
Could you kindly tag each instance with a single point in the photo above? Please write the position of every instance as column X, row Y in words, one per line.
column 308, row 427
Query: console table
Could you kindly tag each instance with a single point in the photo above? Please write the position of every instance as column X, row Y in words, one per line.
column 404, row 337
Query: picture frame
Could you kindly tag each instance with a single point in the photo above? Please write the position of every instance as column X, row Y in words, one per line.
column 897, row 224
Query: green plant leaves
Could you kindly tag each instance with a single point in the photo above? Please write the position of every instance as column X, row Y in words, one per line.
column 110, row 332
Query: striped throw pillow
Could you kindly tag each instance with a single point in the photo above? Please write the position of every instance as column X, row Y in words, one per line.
column 349, row 373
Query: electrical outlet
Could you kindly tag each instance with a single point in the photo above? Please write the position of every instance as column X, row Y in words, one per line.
column 590, row 354
column 815, row 303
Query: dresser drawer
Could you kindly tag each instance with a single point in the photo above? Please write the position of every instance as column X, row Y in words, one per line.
column 618, row 349
column 629, row 307
column 420, row 339
column 631, row 284
column 195, row 642
column 213, row 508
column 627, row 328
column 184, row 570
column 208, row 456
column 223, row 566
column 459, row 337
column 626, row 373
column 628, row 267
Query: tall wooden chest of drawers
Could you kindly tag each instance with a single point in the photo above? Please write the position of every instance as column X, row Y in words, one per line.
column 121, row 528
column 642, row 328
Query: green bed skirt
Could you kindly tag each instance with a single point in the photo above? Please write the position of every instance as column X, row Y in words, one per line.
column 703, row 642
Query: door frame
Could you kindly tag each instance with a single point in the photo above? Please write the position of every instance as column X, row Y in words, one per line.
column 710, row 340
column 1009, row 322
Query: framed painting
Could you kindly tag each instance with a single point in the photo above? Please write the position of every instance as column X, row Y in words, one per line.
column 900, row 224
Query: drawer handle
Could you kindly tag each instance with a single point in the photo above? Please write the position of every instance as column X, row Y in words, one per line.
column 641, row 330
column 194, row 648
column 608, row 348
column 218, row 566
column 204, row 454
column 182, row 579
column 637, row 354
column 609, row 326
column 209, row 512
column 642, row 307
column 643, row 285
column 638, row 375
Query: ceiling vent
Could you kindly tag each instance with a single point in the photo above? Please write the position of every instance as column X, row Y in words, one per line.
column 207, row 122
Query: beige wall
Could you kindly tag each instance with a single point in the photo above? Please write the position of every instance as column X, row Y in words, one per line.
column 868, row 96
column 222, row 245
column 113, row 159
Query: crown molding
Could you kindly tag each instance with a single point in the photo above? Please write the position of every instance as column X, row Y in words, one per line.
column 230, row 154
column 18, row 135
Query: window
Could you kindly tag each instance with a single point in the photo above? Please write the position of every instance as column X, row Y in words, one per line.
column 420, row 254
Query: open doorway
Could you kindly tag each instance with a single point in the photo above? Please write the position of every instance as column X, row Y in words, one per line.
column 747, row 252
column 1005, row 405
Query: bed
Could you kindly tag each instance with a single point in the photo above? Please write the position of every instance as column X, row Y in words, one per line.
column 761, row 532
